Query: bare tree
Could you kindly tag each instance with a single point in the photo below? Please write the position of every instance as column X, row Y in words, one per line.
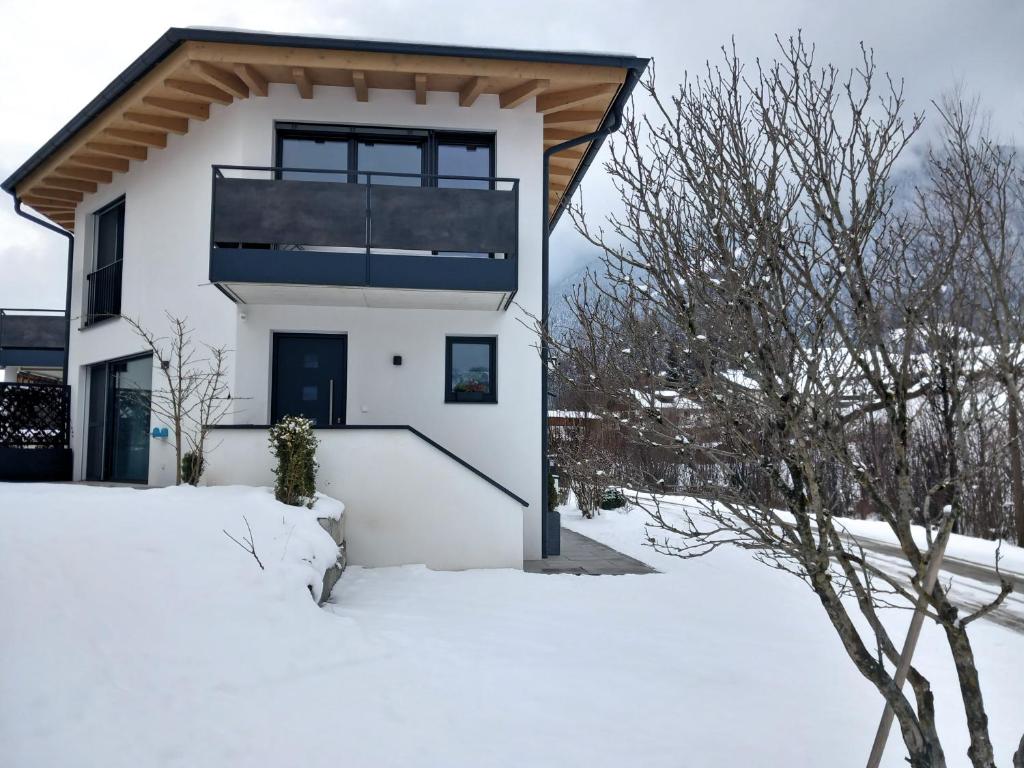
column 977, row 185
column 762, row 242
column 195, row 394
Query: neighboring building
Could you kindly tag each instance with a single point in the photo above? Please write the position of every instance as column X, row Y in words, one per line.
column 32, row 345
column 391, row 281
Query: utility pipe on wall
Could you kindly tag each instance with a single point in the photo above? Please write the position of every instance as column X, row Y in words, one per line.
column 67, row 292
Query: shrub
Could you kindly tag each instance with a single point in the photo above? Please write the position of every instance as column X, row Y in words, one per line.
column 293, row 444
column 612, row 498
column 192, row 467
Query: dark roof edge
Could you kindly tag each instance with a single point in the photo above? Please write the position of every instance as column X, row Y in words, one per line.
column 175, row 36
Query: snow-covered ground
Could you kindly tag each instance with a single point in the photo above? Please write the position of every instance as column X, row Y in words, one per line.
column 136, row 633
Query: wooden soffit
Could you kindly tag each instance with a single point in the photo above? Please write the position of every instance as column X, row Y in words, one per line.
column 573, row 98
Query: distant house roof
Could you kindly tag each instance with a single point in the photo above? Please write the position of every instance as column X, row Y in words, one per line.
column 187, row 69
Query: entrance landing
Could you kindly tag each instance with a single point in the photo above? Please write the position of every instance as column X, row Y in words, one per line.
column 585, row 557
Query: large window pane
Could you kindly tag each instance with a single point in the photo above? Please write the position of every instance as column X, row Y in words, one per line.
column 322, row 154
column 463, row 160
column 129, row 443
column 471, row 370
column 391, row 158
column 109, row 235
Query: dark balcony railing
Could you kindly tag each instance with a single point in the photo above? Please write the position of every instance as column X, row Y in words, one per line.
column 104, row 286
column 388, row 230
column 32, row 337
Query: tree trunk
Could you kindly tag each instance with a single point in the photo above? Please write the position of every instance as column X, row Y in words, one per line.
column 1016, row 473
column 980, row 752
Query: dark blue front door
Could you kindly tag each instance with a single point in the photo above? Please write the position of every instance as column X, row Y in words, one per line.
column 309, row 378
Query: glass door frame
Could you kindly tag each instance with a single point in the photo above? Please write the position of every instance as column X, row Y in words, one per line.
column 105, row 444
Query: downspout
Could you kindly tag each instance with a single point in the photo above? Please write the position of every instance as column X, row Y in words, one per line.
column 67, row 293
column 612, row 123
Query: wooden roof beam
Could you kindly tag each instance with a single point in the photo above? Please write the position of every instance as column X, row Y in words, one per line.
column 553, row 102
column 131, row 151
column 177, row 125
column 300, row 75
column 145, row 138
column 420, row 81
column 572, row 117
column 219, row 78
column 74, row 184
column 471, row 90
column 105, row 162
column 205, row 90
column 359, row 83
column 30, row 198
column 513, row 97
column 195, row 109
column 253, row 78
column 558, row 135
column 86, row 174
column 573, row 153
column 58, row 194
column 371, row 61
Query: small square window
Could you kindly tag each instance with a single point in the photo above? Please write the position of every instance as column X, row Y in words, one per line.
column 471, row 370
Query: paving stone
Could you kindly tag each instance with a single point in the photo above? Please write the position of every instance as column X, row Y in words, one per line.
column 584, row 556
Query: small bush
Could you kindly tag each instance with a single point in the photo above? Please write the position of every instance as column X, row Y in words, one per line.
column 587, row 493
column 192, row 467
column 293, row 444
column 612, row 498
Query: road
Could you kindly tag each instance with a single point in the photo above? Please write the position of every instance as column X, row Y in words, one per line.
column 971, row 584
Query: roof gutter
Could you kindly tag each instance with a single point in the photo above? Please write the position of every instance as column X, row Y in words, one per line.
column 612, row 122
column 67, row 292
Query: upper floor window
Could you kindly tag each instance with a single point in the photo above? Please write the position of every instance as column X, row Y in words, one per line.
column 386, row 156
column 103, row 283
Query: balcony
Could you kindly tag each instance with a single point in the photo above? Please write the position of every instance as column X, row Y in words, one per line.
column 32, row 338
column 366, row 239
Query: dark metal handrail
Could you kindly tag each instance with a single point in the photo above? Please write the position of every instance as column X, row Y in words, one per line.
column 218, row 172
column 104, row 292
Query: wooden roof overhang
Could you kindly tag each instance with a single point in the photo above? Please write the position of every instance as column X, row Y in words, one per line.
column 177, row 79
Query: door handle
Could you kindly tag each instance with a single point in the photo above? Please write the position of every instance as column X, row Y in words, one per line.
column 330, row 406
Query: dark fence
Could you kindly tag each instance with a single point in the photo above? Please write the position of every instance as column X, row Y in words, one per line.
column 35, row 432
column 35, row 415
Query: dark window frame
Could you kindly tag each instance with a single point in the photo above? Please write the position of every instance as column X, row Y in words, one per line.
column 450, row 395
column 90, row 318
column 430, row 139
column 105, row 468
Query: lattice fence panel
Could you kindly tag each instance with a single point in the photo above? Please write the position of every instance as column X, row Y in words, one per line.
column 35, row 415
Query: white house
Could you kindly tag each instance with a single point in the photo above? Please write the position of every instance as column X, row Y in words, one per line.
column 364, row 224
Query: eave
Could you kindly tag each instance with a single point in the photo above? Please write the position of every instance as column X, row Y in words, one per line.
column 186, row 71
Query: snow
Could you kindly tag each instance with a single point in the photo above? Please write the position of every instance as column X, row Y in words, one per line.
column 966, row 548
column 137, row 633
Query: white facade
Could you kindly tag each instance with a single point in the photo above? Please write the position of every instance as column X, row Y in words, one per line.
column 165, row 270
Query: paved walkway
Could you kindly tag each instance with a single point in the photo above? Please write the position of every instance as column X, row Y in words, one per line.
column 585, row 557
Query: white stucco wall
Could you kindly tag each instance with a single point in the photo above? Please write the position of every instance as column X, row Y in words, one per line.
column 166, row 268
column 405, row 501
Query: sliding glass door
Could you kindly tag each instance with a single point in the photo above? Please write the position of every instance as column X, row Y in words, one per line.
column 117, row 433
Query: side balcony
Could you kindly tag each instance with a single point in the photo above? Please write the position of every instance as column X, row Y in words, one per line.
column 312, row 237
column 32, row 338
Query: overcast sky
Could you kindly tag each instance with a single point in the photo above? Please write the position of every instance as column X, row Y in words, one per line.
column 56, row 56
